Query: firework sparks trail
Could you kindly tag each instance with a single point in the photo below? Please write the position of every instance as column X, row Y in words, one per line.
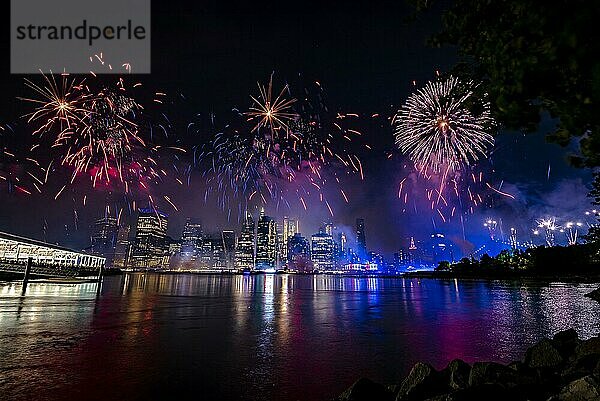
column 549, row 226
column 267, row 111
column 282, row 153
column 571, row 231
column 98, row 130
column 491, row 225
column 445, row 129
column 438, row 128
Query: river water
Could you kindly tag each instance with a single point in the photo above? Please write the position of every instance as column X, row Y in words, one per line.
column 264, row 337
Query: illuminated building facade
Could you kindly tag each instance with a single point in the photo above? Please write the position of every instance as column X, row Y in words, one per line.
column 322, row 251
column 299, row 254
column 361, row 239
column 266, row 243
column 122, row 247
column 104, row 238
column 228, row 241
column 328, row 228
column 244, row 253
column 191, row 241
column 150, row 247
column 290, row 228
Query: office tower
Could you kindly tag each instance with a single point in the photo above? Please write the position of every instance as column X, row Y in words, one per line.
column 299, row 254
column 228, row 240
column 322, row 251
column 280, row 250
column 290, row 227
column 217, row 259
column 206, row 253
column 191, row 240
column 376, row 261
column 328, row 228
column 150, row 239
column 401, row 257
column 341, row 247
column 104, row 238
column 122, row 247
column 266, row 242
column 174, row 245
column 244, row 253
column 352, row 256
column 361, row 241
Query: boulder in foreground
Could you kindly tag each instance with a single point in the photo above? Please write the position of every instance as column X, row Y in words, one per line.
column 564, row 368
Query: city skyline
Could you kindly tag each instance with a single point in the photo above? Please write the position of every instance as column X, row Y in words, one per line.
column 261, row 245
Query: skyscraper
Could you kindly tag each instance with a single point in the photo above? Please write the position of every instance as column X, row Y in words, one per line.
column 290, row 227
column 150, row 239
column 217, row 246
column 122, row 247
column 191, row 241
column 299, row 254
column 328, row 228
column 266, row 242
column 244, row 253
column 104, row 238
column 361, row 241
column 339, row 248
column 228, row 240
column 322, row 251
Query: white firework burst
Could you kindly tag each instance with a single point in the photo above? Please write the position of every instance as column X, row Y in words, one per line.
column 444, row 125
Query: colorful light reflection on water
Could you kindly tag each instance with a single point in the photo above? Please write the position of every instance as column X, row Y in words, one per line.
column 264, row 337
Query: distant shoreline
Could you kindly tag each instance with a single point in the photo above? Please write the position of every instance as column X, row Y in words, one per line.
column 420, row 275
column 411, row 275
column 505, row 276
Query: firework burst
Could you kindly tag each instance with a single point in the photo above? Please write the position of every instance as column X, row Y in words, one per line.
column 443, row 126
column 271, row 112
column 262, row 160
column 97, row 130
column 445, row 130
column 59, row 102
column 549, row 226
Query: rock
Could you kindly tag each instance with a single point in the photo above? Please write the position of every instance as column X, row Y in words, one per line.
column 582, row 366
column 457, row 373
column 487, row 392
column 394, row 389
column 562, row 369
column 566, row 342
column 442, row 397
column 516, row 366
column 585, row 389
column 595, row 295
column 366, row 390
column 543, row 355
column 492, row 373
column 588, row 347
column 422, row 382
column 584, row 361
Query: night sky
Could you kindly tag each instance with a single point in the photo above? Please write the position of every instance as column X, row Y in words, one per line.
column 208, row 56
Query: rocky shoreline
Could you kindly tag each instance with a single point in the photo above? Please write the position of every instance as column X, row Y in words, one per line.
column 595, row 295
column 563, row 368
